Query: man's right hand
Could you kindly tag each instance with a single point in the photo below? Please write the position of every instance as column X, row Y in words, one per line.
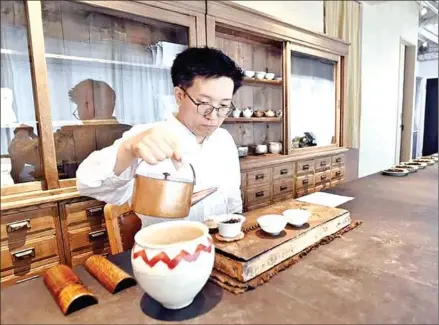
column 153, row 146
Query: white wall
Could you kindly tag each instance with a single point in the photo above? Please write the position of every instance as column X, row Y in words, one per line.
column 384, row 25
column 304, row 14
column 427, row 69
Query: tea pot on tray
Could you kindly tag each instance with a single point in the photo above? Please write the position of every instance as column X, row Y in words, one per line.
column 166, row 196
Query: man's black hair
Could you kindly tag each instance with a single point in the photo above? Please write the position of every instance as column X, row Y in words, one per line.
column 204, row 62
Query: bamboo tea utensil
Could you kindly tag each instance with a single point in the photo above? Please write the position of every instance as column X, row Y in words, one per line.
column 113, row 278
column 67, row 289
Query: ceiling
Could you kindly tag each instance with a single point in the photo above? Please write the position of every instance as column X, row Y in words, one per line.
column 428, row 31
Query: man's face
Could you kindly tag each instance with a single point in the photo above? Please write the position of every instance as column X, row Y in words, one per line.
column 217, row 92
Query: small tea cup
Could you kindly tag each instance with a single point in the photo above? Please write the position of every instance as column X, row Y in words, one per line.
column 229, row 225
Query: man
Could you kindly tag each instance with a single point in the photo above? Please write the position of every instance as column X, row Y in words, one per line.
column 204, row 82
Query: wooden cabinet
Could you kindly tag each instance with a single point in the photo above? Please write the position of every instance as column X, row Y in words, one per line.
column 31, row 242
column 83, row 230
column 267, row 185
column 61, row 59
column 286, row 180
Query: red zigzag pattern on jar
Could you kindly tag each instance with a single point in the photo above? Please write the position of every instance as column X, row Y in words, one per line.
column 183, row 255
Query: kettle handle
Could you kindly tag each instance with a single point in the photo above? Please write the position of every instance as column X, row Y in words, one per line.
column 167, row 174
column 193, row 172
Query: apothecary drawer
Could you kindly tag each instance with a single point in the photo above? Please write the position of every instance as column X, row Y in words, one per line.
column 25, row 274
column 260, row 176
column 90, row 212
column 32, row 251
column 322, row 177
column 305, row 166
column 336, row 182
column 322, row 163
column 258, row 195
column 283, row 197
column 304, row 181
column 87, row 239
column 304, row 191
column 27, row 224
column 258, row 206
column 283, row 171
column 282, row 186
column 337, row 172
column 322, row 186
column 338, row 159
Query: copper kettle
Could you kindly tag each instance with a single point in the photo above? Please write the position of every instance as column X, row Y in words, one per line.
column 164, row 197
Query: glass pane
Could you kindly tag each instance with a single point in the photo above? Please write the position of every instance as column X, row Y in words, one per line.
column 312, row 109
column 21, row 159
column 106, row 73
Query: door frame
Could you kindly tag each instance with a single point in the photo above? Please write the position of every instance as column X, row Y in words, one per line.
column 406, row 101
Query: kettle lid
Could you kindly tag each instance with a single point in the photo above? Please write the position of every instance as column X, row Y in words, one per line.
column 169, row 177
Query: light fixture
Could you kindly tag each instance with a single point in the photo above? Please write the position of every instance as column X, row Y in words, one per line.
column 423, row 11
column 424, row 44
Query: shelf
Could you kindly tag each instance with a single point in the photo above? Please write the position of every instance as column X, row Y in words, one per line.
column 253, row 81
column 252, row 119
column 84, row 59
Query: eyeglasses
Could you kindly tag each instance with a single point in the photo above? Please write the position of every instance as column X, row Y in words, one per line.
column 75, row 114
column 205, row 109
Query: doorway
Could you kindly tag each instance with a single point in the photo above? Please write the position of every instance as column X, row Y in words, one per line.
column 406, row 101
column 430, row 141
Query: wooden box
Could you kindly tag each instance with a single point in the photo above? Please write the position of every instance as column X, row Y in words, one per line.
column 258, row 251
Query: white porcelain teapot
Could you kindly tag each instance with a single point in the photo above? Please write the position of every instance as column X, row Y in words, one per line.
column 247, row 112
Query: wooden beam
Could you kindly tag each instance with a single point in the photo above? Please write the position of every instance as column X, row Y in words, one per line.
column 41, row 92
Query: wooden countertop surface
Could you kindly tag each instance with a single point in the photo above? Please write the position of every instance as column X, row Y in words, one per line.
column 385, row 271
column 248, row 163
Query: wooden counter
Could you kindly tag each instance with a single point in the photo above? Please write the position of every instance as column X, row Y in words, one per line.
column 382, row 272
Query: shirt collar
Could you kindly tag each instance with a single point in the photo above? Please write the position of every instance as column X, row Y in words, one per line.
column 184, row 129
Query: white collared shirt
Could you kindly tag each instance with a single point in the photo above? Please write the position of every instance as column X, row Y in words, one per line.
column 215, row 161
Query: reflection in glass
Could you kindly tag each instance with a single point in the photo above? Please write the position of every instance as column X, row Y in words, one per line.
column 20, row 152
column 106, row 73
column 312, row 101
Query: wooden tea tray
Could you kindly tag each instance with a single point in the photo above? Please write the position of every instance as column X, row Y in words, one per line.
column 258, row 251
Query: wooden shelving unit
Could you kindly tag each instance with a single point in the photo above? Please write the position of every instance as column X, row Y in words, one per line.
column 262, row 82
column 252, row 119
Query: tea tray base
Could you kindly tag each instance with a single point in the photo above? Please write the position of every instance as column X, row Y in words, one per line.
column 237, row 287
column 259, row 252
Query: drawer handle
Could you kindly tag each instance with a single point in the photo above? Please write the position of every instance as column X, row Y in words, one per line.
column 305, row 167
column 25, row 253
column 323, row 177
column 28, row 279
column 259, row 176
column 260, row 193
column 338, row 173
column 338, row 160
column 96, row 234
column 95, row 211
column 283, row 187
column 284, row 171
column 323, row 163
column 18, row 225
column 305, row 181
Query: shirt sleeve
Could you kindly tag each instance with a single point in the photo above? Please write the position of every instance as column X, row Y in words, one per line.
column 234, row 198
column 95, row 176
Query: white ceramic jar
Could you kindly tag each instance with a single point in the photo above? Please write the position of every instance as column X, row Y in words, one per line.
column 173, row 260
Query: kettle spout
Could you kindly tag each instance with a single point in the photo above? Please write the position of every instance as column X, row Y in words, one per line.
column 201, row 195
